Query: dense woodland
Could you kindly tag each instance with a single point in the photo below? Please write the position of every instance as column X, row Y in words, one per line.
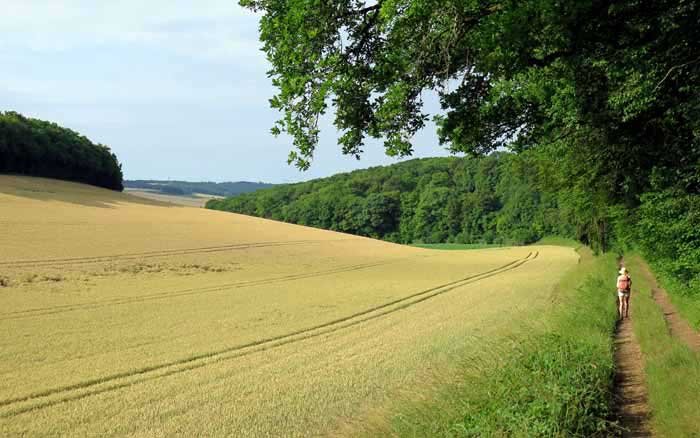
column 431, row 200
column 188, row 188
column 39, row 148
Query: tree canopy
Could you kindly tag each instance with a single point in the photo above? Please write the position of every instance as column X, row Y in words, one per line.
column 609, row 84
column 598, row 99
column 39, row 148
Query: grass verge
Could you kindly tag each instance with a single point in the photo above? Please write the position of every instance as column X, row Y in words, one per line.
column 688, row 305
column 457, row 246
column 554, row 379
column 672, row 369
column 547, row 240
column 685, row 297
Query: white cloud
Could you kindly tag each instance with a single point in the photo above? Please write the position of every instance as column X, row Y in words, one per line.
column 80, row 52
column 137, row 91
column 217, row 29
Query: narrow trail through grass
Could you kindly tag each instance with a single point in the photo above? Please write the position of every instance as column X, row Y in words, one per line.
column 671, row 367
column 631, row 398
column 631, row 395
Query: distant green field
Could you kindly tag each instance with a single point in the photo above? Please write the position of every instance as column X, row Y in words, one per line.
column 457, row 246
column 547, row 240
column 558, row 241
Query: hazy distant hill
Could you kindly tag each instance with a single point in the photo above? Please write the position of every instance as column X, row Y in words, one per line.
column 204, row 187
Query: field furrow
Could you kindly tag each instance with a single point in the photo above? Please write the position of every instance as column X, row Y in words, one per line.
column 207, row 358
column 146, row 255
column 293, row 330
column 183, row 292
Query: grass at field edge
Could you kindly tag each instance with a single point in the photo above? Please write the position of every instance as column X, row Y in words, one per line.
column 547, row 240
column 554, row 378
column 456, row 246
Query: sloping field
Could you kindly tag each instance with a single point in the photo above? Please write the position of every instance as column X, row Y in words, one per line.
column 121, row 315
column 197, row 200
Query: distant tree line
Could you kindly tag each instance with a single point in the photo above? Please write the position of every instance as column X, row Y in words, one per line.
column 486, row 200
column 600, row 99
column 188, row 188
column 40, row 148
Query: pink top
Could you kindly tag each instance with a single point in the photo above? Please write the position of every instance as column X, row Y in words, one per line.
column 624, row 282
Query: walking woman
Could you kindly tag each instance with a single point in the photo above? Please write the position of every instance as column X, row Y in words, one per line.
column 624, row 287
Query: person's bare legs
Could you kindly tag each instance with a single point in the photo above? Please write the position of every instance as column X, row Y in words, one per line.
column 620, row 304
column 626, row 298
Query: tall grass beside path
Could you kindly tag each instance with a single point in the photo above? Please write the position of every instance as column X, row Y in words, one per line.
column 685, row 297
column 553, row 379
column 672, row 369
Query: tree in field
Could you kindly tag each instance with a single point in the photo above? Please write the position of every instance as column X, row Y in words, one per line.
column 605, row 92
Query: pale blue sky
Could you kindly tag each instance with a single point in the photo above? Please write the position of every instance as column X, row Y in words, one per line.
column 177, row 89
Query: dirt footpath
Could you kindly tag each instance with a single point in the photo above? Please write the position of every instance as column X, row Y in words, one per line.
column 631, row 398
column 630, row 389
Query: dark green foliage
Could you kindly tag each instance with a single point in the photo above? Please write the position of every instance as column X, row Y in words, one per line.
column 600, row 100
column 668, row 233
column 38, row 148
column 460, row 200
column 609, row 87
column 189, row 188
column 602, row 95
column 171, row 190
column 668, row 230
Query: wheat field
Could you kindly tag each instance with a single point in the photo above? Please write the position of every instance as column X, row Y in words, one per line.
column 125, row 316
column 196, row 200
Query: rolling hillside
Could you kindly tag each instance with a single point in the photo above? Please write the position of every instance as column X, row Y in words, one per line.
column 122, row 315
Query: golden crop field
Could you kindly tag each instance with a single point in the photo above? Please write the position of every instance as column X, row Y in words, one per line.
column 125, row 316
column 196, row 200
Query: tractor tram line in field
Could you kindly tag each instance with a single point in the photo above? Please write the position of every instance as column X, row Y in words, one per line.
column 42, row 311
column 50, row 397
column 153, row 254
